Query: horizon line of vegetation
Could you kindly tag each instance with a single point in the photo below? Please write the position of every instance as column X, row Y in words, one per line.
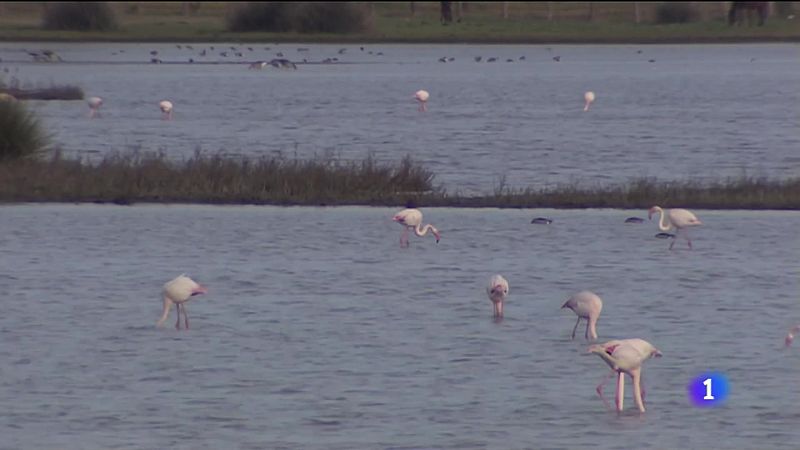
column 146, row 177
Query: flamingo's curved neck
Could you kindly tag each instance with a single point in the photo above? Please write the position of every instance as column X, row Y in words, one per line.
column 610, row 360
column 663, row 223
column 420, row 231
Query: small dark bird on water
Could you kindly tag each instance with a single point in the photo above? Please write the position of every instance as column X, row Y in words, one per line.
column 556, row 58
column 491, row 60
column 651, row 60
column 634, row 220
column 522, row 58
column 478, row 58
column 665, row 236
column 542, row 221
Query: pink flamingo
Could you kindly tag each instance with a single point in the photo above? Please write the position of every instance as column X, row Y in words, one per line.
column 94, row 105
column 498, row 291
column 179, row 291
column 589, row 98
column 625, row 356
column 790, row 335
column 422, row 97
column 586, row 305
column 411, row 219
column 678, row 218
column 166, row 109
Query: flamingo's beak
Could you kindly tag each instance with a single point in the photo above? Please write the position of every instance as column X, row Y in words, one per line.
column 650, row 215
column 437, row 237
column 658, row 354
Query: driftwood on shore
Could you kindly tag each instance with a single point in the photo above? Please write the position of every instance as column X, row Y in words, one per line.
column 49, row 93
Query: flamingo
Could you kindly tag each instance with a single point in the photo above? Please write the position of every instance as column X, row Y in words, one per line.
column 678, row 218
column 411, row 219
column 94, row 105
column 179, row 291
column 625, row 356
column 166, row 109
column 790, row 335
column 586, row 305
column 422, row 97
column 589, row 97
column 498, row 291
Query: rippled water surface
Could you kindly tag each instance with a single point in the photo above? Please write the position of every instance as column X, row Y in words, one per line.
column 695, row 112
column 319, row 332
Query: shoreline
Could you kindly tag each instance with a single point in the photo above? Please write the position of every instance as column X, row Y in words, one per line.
column 413, row 41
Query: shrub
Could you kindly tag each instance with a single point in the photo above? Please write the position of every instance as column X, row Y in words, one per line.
column 302, row 17
column 674, row 12
column 79, row 16
column 21, row 134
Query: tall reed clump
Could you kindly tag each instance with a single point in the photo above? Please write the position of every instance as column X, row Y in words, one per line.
column 148, row 177
column 79, row 16
column 300, row 17
column 21, row 134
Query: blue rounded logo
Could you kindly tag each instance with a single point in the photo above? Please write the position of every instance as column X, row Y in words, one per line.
column 708, row 390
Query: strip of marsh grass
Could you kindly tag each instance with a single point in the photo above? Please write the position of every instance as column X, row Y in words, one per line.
column 152, row 178
column 148, row 177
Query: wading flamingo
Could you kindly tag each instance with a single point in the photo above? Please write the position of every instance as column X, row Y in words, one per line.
column 589, row 97
column 586, row 305
column 166, row 109
column 498, row 291
column 94, row 105
column 678, row 218
column 790, row 335
column 422, row 97
column 625, row 356
column 411, row 219
column 179, row 291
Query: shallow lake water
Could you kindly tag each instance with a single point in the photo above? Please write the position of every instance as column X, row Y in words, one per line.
column 701, row 112
column 320, row 332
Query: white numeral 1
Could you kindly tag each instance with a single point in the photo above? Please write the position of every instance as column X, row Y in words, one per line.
column 708, row 396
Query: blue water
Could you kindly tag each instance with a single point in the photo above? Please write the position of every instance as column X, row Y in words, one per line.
column 320, row 332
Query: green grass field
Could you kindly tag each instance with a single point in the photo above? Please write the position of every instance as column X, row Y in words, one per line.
column 527, row 22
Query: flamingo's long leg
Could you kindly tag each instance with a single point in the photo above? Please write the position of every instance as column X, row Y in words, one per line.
column 185, row 318
column 600, row 389
column 620, row 391
column 404, row 238
column 178, row 310
column 588, row 323
column 576, row 328
column 637, row 391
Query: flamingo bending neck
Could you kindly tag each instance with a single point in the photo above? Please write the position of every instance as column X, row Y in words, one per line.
column 663, row 223
column 420, row 231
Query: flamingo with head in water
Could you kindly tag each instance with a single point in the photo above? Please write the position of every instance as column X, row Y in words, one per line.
column 679, row 218
column 94, row 106
column 497, row 291
column 790, row 335
column 586, row 305
column 179, row 291
column 411, row 219
column 422, row 97
column 166, row 109
column 625, row 356
column 589, row 98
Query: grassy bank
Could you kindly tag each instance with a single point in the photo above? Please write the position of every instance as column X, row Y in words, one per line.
column 137, row 177
column 527, row 22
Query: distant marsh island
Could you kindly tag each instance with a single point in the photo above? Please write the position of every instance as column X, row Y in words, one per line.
column 151, row 178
